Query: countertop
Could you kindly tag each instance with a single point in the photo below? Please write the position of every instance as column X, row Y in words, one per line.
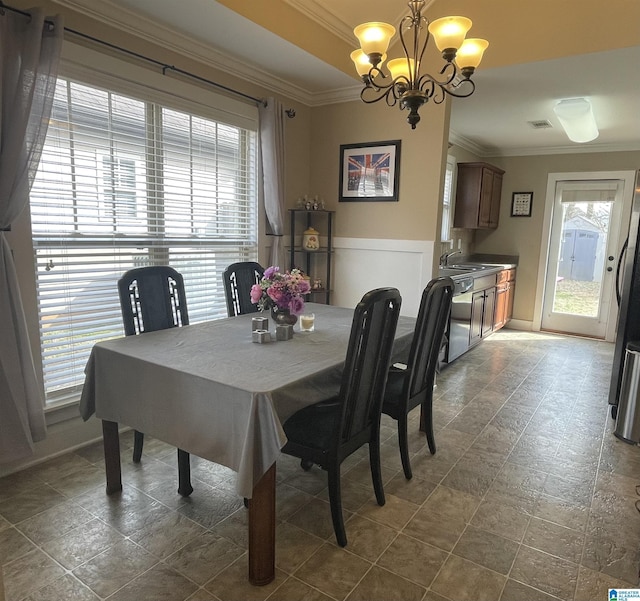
column 472, row 276
column 477, row 265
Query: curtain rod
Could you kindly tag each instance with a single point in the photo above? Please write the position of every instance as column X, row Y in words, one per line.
column 165, row 67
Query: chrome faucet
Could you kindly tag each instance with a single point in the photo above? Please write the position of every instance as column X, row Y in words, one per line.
column 444, row 258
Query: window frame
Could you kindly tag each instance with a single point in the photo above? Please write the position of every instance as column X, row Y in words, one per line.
column 132, row 80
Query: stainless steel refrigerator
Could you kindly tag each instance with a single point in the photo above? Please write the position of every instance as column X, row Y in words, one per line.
column 628, row 296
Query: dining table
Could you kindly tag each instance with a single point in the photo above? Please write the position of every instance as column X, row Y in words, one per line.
column 210, row 390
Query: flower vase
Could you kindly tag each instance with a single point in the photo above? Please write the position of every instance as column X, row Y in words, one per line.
column 283, row 316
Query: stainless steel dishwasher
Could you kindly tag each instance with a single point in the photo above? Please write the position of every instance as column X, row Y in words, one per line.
column 460, row 322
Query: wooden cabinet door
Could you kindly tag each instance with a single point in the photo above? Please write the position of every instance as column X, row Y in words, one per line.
column 486, row 195
column 496, row 194
column 478, row 195
column 489, row 311
column 477, row 311
column 502, row 293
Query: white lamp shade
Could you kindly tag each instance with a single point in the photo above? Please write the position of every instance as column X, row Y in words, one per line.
column 576, row 117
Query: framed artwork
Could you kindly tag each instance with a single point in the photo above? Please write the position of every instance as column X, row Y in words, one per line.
column 369, row 171
column 521, row 204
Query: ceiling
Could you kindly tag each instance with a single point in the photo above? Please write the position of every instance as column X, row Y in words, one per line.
column 492, row 122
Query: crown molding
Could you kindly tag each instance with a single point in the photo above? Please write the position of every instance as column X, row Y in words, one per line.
column 467, row 144
column 568, row 149
column 317, row 11
column 484, row 151
column 140, row 26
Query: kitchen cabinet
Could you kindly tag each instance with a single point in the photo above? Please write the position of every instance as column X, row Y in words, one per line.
column 482, row 312
column 316, row 263
column 478, row 193
column 505, row 290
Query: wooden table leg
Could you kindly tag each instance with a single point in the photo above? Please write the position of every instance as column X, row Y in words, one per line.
column 111, row 441
column 262, row 530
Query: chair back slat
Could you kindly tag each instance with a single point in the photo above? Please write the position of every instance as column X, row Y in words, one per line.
column 367, row 360
column 152, row 298
column 238, row 279
column 431, row 324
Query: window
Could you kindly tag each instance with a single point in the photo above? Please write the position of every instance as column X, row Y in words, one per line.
column 125, row 183
column 447, row 198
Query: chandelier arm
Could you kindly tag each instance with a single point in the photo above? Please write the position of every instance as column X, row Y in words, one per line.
column 443, row 83
column 452, row 91
column 414, row 22
column 436, row 90
column 376, row 80
column 427, row 85
column 388, row 94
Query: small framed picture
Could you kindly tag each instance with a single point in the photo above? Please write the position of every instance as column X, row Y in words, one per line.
column 369, row 171
column 521, row 204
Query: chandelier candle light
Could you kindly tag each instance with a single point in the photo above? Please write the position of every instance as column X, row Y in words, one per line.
column 406, row 84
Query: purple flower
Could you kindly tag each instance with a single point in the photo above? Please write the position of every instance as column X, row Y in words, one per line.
column 296, row 305
column 269, row 272
column 284, row 290
column 304, row 286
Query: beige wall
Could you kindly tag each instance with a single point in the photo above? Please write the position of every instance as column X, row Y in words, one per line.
column 415, row 215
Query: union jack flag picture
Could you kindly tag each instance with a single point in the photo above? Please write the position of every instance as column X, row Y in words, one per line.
column 369, row 171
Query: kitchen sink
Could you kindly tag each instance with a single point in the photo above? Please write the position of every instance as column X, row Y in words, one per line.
column 468, row 266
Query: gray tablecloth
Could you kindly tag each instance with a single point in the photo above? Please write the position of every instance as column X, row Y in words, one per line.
column 208, row 389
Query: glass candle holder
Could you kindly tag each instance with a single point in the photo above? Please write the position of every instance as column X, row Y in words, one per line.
column 307, row 322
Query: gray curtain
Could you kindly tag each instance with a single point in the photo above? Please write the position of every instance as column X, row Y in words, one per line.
column 29, row 57
column 272, row 152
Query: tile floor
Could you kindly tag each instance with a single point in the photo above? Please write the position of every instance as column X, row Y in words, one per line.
column 529, row 497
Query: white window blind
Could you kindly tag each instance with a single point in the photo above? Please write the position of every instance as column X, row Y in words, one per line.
column 447, row 198
column 125, row 183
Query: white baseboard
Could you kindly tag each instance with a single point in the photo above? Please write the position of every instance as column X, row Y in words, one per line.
column 62, row 437
column 520, row 324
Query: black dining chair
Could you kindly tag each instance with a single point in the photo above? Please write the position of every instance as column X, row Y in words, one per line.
column 238, row 279
column 153, row 298
column 327, row 432
column 412, row 385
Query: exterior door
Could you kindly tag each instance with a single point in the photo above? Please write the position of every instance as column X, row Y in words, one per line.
column 581, row 268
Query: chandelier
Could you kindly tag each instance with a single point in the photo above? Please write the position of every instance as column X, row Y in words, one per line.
column 406, row 85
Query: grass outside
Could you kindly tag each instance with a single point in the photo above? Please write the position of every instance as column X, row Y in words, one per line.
column 577, row 298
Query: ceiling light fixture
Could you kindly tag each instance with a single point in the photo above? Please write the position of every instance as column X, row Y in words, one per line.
column 405, row 84
column 576, row 117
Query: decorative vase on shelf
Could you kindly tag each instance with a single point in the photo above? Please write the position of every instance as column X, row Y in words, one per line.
column 311, row 240
column 283, row 316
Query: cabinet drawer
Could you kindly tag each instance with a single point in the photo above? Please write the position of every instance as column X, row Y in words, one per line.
column 507, row 275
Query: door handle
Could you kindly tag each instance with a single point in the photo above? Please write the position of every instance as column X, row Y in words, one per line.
column 618, row 268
